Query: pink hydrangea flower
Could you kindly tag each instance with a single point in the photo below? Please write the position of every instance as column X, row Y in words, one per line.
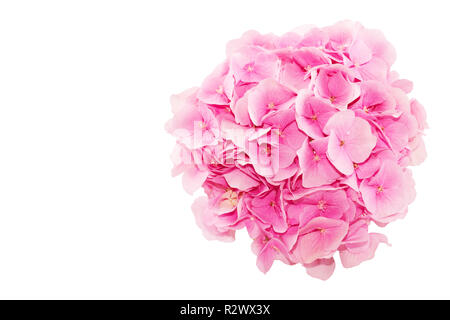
column 350, row 140
column 334, row 83
column 319, row 239
column 317, row 170
column 268, row 98
column 312, row 114
column 303, row 140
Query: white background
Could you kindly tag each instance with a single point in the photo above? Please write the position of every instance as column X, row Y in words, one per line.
column 88, row 208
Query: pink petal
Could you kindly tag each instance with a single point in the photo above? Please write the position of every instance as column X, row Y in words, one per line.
column 267, row 97
column 312, row 114
column 338, row 155
column 320, row 238
column 317, row 170
column 360, row 141
column 205, row 220
column 193, row 179
column 273, row 250
column 321, row 268
column 350, row 259
column 269, row 209
column 239, row 180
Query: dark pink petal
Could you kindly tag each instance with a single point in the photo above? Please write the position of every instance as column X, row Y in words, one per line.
column 333, row 84
column 310, row 57
column 269, row 210
column 359, row 53
column 253, row 65
column 419, row 113
column 338, row 156
column 350, row 141
column 375, row 99
column 359, row 142
column 293, row 76
column 378, row 44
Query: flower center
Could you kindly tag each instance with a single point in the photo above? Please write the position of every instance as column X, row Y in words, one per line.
column 271, row 105
column 380, row 189
column 367, row 109
column 231, row 196
column 268, row 150
column 275, row 248
column 341, row 143
column 219, row 90
column 322, row 205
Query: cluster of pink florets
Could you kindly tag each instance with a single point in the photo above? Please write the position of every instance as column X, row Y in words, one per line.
column 303, row 140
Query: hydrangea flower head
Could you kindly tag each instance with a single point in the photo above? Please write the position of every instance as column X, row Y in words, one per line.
column 303, row 140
